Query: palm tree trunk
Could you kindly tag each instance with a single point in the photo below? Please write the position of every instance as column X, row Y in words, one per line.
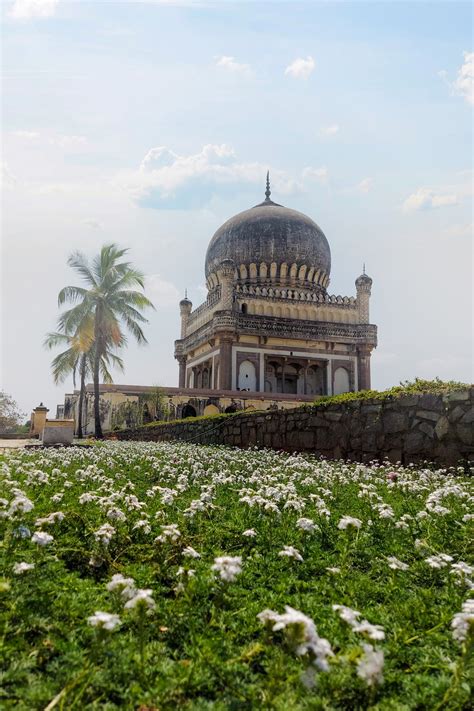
column 81, row 395
column 97, row 356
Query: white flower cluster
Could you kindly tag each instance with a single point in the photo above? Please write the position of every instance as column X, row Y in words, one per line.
column 364, row 627
column 463, row 622
column 228, row 567
column 300, row 633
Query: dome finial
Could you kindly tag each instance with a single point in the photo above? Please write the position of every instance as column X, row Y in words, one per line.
column 363, row 268
column 185, row 293
column 268, row 192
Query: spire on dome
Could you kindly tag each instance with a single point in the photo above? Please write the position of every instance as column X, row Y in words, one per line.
column 268, row 192
column 363, row 268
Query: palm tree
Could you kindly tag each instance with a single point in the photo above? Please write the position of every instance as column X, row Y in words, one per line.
column 111, row 301
column 78, row 356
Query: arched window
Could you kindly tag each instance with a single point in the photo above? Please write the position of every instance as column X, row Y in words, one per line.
column 244, row 308
column 247, row 376
column 341, row 381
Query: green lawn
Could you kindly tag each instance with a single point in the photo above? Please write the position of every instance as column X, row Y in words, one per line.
column 391, row 544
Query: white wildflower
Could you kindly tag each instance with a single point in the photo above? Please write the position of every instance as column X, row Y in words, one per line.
column 438, row 561
column 170, row 532
column 42, row 538
column 370, row 666
column 104, row 620
column 349, row 522
column 104, row 534
column 306, row 524
column 347, row 614
column 365, row 628
column 396, row 564
column 189, row 552
column 334, row 570
column 249, row 533
column 228, row 567
column 463, row 621
column 20, row 568
column 142, row 599
column 290, row 552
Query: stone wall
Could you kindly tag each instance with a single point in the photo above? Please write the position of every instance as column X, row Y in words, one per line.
column 408, row 428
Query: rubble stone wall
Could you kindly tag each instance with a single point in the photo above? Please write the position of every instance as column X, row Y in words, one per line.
column 407, row 428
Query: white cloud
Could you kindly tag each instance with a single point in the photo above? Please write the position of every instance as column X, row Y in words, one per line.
column 463, row 85
column 460, row 230
column 26, row 135
column 365, row 185
column 168, row 180
column 231, row 65
column 161, row 292
column 301, row 68
column 330, row 130
column 7, row 179
column 93, row 224
column 428, row 199
column 320, row 174
column 30, row 9
column 69, row 142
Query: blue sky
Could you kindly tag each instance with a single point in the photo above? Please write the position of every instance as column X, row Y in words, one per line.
column 150, row 123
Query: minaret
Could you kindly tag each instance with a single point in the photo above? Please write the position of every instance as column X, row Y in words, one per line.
column 363, row 286
column 185, row 307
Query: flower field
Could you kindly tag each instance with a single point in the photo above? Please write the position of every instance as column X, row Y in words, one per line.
column 163, row 576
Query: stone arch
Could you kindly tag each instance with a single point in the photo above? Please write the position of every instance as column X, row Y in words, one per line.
column 310, row 274
column 273, row 269
column 341, row 381
column 283, row 270
column 253, row 271
column 188, row 411
column 302, row 272
column 269, row 310
column 293, row 271
column 244, row 308
column 263, row 270
column 259, row 309
column 243, row 271
column 317, row 274
column 278, row 311
column 211, row 410
column 247, row 376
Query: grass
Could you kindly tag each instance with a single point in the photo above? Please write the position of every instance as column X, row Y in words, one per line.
column 203, row 647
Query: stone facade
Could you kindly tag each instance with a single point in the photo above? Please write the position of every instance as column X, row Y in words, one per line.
column 268, row 324
column 411, row 428
column 122, row 405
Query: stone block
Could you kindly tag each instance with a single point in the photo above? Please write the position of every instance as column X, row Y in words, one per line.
column 465, row 434
column 456, row 414
column 58, row 432
column 468, row 418
column 427, row 415
column 442, row 427
column 414, row 442
column 428, row 401
column 427, row 429
column 407, row 400
column 459, row 396
column 395, row 422
column 333, row 416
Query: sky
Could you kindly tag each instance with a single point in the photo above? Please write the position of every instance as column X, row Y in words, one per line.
column 149, row 123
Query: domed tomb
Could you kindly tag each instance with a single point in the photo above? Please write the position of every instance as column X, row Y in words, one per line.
column 271, row 244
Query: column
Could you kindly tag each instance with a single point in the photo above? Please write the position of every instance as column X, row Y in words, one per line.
column 329, row 377
column 261, row 381
column 225, row 367
column 363, row 367
column 182, row 371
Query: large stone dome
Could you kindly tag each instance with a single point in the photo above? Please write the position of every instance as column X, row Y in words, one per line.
column 271, row 243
